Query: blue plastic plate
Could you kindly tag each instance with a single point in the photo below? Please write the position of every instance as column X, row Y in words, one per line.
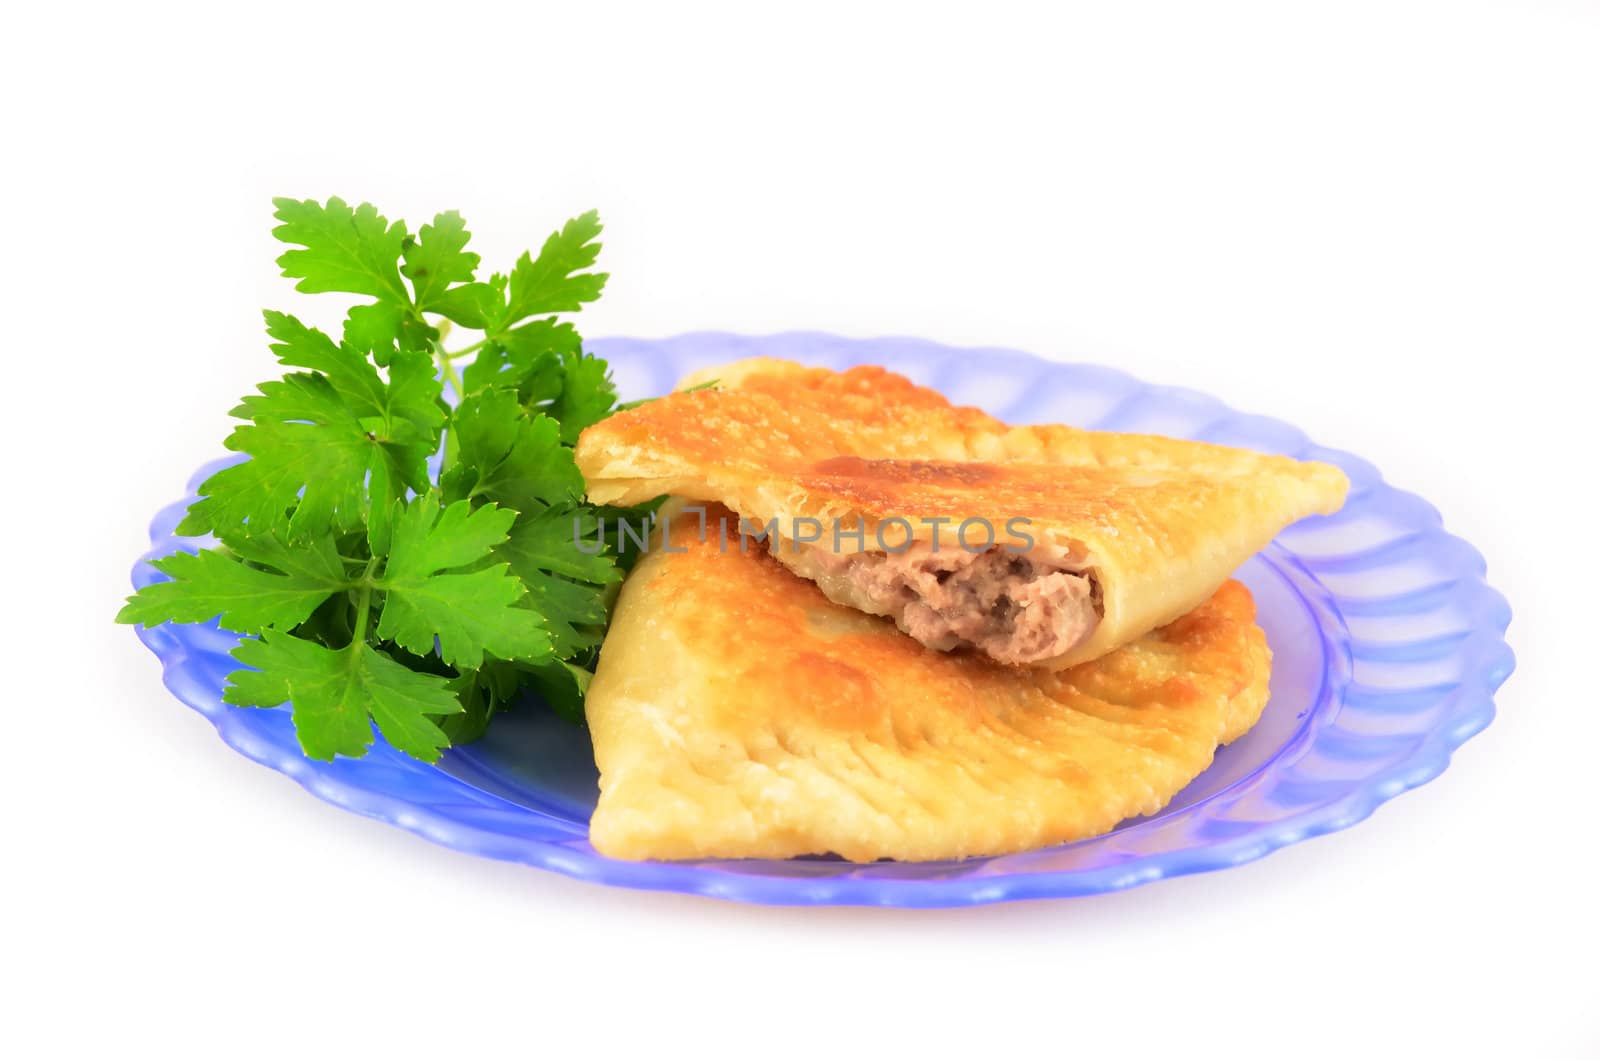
column 1388, row 648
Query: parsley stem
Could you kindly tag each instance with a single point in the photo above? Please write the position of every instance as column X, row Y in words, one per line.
column 452, row 377
column 364, row 604
column 456, row 355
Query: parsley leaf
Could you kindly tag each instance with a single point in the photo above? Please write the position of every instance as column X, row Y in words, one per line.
column 554, row 281
column 438, row 258
column 471, row 612
column 472, row 305
column 333, row 691
column 209, row 583
column 375, row 329
column 526, row 359
column 321, row 441
column 587, row 394
column 511, row 458
column 311, row 461
column 341, row 249
column 568, row 585
column 303, row 478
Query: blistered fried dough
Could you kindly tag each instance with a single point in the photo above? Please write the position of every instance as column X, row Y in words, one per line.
column 737, row 712
column 1127, row 532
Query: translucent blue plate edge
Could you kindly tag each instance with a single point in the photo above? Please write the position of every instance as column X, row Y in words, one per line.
column 439, row 807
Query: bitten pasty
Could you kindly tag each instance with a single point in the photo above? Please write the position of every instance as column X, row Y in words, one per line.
column 1058, row 544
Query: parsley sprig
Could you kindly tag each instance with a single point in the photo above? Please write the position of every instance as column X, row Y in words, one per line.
column 390, row 555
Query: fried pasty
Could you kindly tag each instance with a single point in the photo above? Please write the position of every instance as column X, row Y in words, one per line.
column 737, row 712
column 1059, row 544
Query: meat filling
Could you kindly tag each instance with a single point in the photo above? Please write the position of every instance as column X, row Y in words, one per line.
column 1014, row 608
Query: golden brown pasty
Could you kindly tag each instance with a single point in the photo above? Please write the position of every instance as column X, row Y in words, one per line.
column 737, row 712
column 1059, row 544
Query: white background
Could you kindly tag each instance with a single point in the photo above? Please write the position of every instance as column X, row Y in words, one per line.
column 1380, row 221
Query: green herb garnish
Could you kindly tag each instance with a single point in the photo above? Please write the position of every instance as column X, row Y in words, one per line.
column 370, row 586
